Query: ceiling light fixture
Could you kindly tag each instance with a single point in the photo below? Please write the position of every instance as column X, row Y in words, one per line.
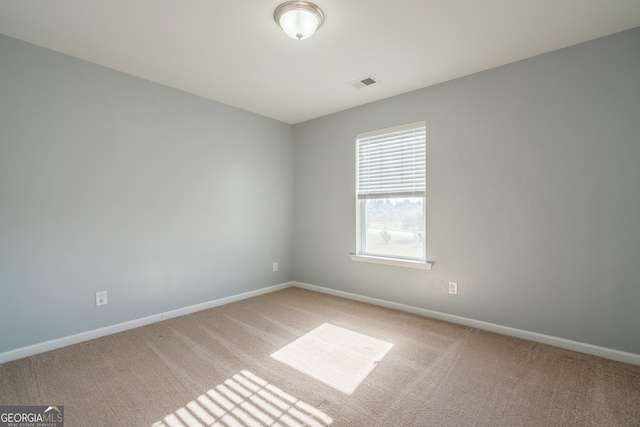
column 298, row 19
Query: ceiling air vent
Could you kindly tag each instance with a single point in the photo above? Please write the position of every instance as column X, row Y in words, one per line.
column 367, row 81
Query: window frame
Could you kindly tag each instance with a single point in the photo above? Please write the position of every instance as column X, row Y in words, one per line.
column 361, row 219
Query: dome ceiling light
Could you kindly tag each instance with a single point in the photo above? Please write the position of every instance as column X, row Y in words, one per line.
column 298, row 19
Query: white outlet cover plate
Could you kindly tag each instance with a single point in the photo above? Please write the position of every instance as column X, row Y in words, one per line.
column 101, row 298
column 453, row 288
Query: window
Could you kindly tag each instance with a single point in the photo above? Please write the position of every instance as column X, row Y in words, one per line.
column 391, row 196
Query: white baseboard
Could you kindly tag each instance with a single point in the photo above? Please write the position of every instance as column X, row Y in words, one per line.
column 31, row 350
column 595, row 350
column 608, row 353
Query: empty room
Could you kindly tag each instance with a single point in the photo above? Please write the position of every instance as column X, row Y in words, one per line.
column 338, row 213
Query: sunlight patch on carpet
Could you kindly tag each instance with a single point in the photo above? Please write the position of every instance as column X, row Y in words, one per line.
column 246, row 400
column 338, row 357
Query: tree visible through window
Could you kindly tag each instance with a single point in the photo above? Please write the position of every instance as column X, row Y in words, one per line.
column 391, row 192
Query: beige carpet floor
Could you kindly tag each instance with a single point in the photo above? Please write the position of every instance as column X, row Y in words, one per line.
column 296, row 357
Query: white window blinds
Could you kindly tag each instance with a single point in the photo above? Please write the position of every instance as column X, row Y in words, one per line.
column 392, row 162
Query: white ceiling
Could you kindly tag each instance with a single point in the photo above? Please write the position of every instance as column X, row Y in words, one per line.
column 233, row 52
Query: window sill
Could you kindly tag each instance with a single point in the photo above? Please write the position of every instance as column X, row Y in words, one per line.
column 423, row 265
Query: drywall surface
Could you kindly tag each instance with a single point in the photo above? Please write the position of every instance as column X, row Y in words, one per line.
column 112, row 183
column 533, row 205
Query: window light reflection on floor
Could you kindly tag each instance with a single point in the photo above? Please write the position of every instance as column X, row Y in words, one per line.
column 246, row 400
column 335, row 356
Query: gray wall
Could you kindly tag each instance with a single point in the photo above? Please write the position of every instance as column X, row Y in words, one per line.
column 533, row 196
column 164, row 199
column 109, row 182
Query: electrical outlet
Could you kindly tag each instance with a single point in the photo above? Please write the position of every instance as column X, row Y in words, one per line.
column 275, row 266
column 101, row 298
column 453, row 288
